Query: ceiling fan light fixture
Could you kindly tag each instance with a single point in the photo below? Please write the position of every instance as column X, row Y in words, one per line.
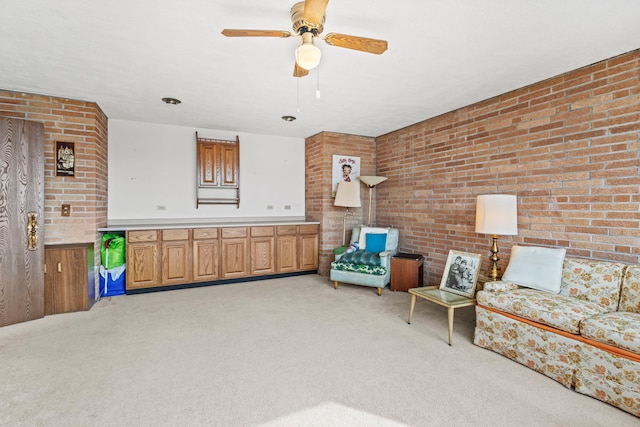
column 307, row 54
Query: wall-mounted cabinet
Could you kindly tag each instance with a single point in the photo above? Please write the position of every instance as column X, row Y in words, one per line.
column 186, row 255
column 218, row 171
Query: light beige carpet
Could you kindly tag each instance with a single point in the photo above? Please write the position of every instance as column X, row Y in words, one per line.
column 282, row 352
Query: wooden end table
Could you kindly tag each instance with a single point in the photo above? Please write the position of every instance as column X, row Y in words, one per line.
column 446, row 299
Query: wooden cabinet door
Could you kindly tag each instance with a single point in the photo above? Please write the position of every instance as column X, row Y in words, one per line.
column 263, row 251
column 229, row 165
column 263, row 259
column 205, row 260
column 205, row 254
column 66, row 280
column 308, row 250
column 234, row 258
column 208, row 165
column 176, row 262
column 143, row 259
column 286, row 249
column 176, row 256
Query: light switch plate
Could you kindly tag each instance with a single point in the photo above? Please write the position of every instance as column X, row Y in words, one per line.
column 66, row 209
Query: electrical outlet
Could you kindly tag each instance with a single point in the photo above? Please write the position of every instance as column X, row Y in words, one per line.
column 161, row 207
column 287, row 207
column 269, row 207
column 65, row 210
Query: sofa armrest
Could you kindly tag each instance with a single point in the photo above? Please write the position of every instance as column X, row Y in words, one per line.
column 500, row 286
column 385, row 258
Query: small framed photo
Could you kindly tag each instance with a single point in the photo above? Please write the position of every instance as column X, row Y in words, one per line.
column 461, row 273
column 65, row 159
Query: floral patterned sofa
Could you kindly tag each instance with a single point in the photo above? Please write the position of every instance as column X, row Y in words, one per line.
column 364, row 266
column 586, row 336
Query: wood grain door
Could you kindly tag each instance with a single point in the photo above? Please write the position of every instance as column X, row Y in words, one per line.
column 21, row 195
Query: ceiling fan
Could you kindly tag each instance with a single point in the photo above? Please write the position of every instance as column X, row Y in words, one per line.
column 308, row 23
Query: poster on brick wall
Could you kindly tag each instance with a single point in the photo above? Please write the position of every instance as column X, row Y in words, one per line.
column 65, row 159
column 345, row 168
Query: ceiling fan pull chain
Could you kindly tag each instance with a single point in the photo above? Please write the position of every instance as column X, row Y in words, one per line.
column 298, row 95
column 317, row 84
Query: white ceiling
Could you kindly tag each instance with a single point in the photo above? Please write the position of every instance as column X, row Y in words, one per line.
column 443, row 54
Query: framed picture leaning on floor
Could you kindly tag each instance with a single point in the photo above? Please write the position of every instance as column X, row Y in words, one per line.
column 461, row 273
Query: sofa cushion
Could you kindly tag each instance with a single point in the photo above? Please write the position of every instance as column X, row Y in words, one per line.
column 362, row 240
column 619, row 329
column 630, row 292
column 536, row 267
column 362, row 257
column 595, row 281
column 376, row 270
column 558, row 311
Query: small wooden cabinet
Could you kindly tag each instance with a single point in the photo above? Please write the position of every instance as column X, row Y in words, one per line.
column 176, row 257
column 235, row 253
column 143, row 259
column 206, row 250
column 308, row 247
column 69, row 284
column 407, row 271
column 263, row 251
column 286, row 248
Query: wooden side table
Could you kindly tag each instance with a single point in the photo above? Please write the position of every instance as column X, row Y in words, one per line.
column 443, row 298
column 407, row 271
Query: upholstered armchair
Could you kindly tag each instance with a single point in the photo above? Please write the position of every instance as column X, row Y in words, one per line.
column 368, row 260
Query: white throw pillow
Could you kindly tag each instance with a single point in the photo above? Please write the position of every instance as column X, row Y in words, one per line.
column 362, row 242
column 536, row 267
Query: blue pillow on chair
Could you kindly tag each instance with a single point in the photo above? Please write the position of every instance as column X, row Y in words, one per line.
column 376, row 242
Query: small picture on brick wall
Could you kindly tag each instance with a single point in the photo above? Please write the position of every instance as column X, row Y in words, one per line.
column 345, row 168
column 65, row 159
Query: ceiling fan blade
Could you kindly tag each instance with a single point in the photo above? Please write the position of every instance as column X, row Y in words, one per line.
column 314, row 11
column 356, row 43
column 255, row 33
column 298, row 71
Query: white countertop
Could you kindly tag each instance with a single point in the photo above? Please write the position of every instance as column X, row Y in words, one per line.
column 153, row 225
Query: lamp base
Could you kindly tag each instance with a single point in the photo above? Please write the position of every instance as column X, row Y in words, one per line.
column 494, row 269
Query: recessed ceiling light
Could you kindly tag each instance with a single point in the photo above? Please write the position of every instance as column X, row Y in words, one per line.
column 288, row 118
column 172, row 101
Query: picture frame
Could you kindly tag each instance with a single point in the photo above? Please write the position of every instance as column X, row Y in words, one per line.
column 461, row 273
column 340, row 173
column 65, row 158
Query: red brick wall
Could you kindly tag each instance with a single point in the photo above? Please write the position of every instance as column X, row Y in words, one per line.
column 568, row 147
column 319, row 151
column 84, row 124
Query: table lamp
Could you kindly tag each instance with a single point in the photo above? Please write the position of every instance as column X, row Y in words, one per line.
column 496, row 214
column 347, row 196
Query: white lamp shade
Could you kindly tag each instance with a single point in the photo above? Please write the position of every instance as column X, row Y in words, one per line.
column 372, row 181
column 497, row 214
column 347, row 195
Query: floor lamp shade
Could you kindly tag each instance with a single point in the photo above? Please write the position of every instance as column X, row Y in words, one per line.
column 371, row 181
column 496, row 214
column 347, row 196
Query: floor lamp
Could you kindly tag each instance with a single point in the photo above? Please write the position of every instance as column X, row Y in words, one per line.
column 371, row 181
column 347, row 196
column 496, row 214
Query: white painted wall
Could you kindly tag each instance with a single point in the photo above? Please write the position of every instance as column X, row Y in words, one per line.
column 153, row 166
